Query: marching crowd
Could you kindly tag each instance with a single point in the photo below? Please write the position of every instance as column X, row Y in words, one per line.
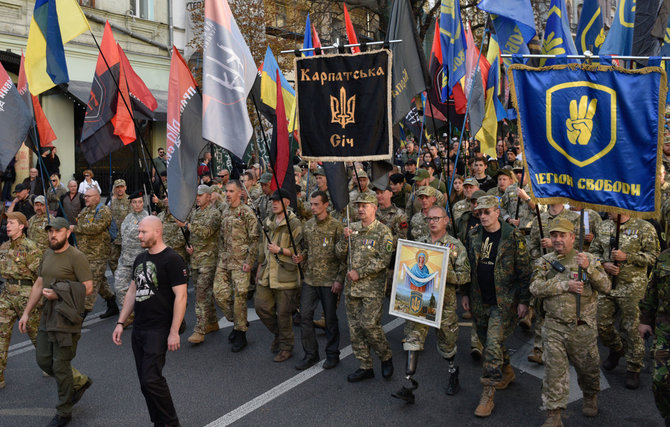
column 511, row 263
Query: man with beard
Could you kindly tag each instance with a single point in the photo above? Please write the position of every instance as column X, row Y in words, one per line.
column 157, row 296
column 64, row 274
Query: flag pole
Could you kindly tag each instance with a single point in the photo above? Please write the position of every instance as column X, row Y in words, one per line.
column 432, row 113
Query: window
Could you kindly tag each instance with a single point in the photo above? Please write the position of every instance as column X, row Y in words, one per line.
column 87, row 3
column 143, row 9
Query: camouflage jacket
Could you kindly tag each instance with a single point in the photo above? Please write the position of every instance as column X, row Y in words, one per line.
column 508, row 204
column 655, row 306
column 558, row 303
column 238, row 237
column 120, row 208
column 512, row 271
column 371, row 249
column 204, row 225
column 463, row 228
column 495, row 191
column 419, row 227
column 412, row 208
column 282, row 274
column 638, row 240
column 256, row 192
column 130, row 241
column 36, row 231
column 459, row 266
column 172, row 235
column 534, row 244
column 20, row 259
column 264, row 206
column 322, row 266
column 92, row 232
column 395, row 219
column 461, row 207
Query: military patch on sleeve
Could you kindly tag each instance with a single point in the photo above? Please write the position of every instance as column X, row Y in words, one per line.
column 403, row 225
column 521, row 244
column 389, row 245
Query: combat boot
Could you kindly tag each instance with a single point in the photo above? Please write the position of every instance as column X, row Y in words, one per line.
column 321, row 323
column 112, row 308
column 553, row 418
column 612, row 360
column 486, row 404
column 527, row 320
column 196, row 338
column 535, row 356
column 239, row 342
column 590, row 405
column 454, row 385
column 212, row 327
column 632, row 380
column 507, row 378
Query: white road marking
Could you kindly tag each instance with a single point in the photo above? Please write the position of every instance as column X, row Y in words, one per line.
column 247, row 408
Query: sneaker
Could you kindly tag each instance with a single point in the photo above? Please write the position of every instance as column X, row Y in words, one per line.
column 404, row 394
column 239, row 342
column 612, row 360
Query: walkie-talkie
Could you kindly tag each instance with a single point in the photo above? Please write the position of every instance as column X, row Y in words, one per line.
column 555, row 265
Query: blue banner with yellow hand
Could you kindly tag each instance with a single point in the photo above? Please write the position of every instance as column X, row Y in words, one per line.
column 591, row 135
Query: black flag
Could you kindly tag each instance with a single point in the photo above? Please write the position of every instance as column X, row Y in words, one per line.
column 337, row 184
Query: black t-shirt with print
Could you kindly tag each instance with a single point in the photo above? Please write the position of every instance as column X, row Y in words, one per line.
column 485, row 267
column 154, row 276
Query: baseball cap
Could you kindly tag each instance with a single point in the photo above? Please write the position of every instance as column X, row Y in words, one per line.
column 17, row 216
column 477, row 194
column 319, row 171
column 366, row 198
column 426, row 190
column 204, row 189
column 471, row 181
column 40, row 199
column 57, row 224
column 562, row 224
column 486, row 202
column 119, row 183
column 280, row 194
column 266, row 178
column 421, row 174
column 362, row 174
column 20, row 187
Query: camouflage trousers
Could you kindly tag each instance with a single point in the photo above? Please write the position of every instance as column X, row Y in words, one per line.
column 114, row 254
column 275, row 308
column 122, row 278
column 447, row 335
column 628, row 339
column 661, row 376
column 492, row 333
column 205, row 310
column 539, row 321
column 365, row 329
column 566, row 344
column 13, row 300
column 100, row 285
column 230, row 291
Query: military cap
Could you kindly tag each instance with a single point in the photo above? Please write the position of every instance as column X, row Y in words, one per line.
column 366, row 198
column 477, row 194
column 362, row 174
column 319, row 171
column 204, row 189
column 40, row 199
column 20, row 187
column 518, row 165
column 119, row 183
column 562, row 224
column 505, row 171
column 381, row 187
column 266, row 178
column 421, row 174
column 426, row 190
column 487, row 202
column 57, row 223
column 471, row 181
column 297, row 169
column 17, row 216
column 280, row 194
column 139, row 194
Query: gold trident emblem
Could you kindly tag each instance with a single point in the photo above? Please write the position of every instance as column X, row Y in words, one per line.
column 342, row 110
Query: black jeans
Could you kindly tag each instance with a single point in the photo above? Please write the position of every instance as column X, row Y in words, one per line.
column 149, row 348
column 309, row 298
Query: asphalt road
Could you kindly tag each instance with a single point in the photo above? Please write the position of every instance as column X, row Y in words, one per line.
column 213, row 386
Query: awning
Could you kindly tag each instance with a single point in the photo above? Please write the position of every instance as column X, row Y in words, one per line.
column 80, row 91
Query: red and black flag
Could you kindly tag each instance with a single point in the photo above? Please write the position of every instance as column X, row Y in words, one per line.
column 45, row 133
column 144, row 103
column 280, row 151
column 15, row 119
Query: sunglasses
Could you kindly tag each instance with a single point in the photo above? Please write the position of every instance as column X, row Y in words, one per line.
column 87, row 176
column 54, row 180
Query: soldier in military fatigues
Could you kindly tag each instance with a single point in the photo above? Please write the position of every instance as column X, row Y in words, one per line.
column 638, row 249
column 497, row 295
column 418, row 226
column 568, row 337
column 203, row 223
column 172, row 234
column 470, row 185
column 369, row 254
column 415, row 333
column 19, row 261
column 130, row 245
column 93, row 240
column 120, row 207
column 363, row 181
column 238, row 246
column 263, row 204
column 37, row 222
column 655, row 318
column 395, row 219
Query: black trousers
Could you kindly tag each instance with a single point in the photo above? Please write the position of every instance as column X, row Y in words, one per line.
column 309, row 298
column 149, row 348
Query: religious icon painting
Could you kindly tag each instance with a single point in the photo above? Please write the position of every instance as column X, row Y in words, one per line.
column 419, row 279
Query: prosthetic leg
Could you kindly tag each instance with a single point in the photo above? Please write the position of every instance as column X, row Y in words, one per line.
column 454, row 385
column 406, row 393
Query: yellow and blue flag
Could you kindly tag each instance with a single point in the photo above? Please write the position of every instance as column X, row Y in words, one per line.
column 494, row 111
column 619, row 40
column 557, row 36
column 514, row 23
column 307, row 40
column 589, row 138
column 54, row 23
column 269, row 88
column 590, row 32
column 453, row 44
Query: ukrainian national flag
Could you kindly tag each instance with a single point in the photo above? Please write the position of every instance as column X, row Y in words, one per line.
column 269, row 88
column 54, row 23
column 307, row 40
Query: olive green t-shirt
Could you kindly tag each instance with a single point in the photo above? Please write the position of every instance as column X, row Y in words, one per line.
column 70, row 264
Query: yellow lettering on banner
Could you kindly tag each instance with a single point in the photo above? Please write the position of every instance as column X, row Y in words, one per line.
column 338, row 77
column 331, row 77
column 304, row 77
column 315, row 77
column 337, row 140
column 514, row 42
column 459, row 59
column 609, row 186
column 347, row 74
column 363, row 74
column 356, row 74
column 324, row 78
column 380, row 72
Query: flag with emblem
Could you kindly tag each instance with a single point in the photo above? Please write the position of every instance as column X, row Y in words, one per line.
column 15, row 119
column 514, row 23
column 557, row 36
column 619, row 40
column 452, row 43
column 590, row 31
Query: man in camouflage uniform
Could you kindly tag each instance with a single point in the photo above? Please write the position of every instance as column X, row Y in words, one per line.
column 276, row 296
column 627, row 267
column 120, row 207
column 538, row 246
column 418, row 226
column 324, row 276
column 497, row 295
column 413, row 204
column 505, row 178
column 172, row 233
column 390, row 215
column 363, row 182
column 238, row 246
column 569, row 337
column 655, row 319
column 203, row 223
column 37, row 222
column 263, row 204
column 19, row 262
column 130, row 245
column 470, row 185
column 254, row 189
column 594, row 221
column 510, row 200
column 458, row 273
column 369, row 244
column 93, row 240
